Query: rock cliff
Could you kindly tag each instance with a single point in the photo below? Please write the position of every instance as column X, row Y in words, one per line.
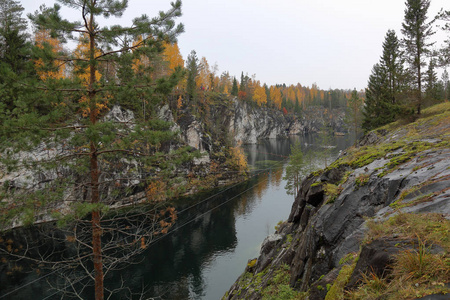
column 212, row 130
column 365, row 226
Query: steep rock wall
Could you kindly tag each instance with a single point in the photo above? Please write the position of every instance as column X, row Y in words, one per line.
column 323, row 227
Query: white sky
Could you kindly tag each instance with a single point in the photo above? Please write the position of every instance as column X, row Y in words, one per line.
column 333, row 43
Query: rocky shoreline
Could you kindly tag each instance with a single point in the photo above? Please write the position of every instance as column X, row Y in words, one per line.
column 327, row 246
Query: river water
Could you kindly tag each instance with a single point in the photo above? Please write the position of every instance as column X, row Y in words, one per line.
column 215, row 235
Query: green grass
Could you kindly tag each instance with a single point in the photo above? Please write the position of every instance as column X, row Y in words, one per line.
column 336, row 291
column 415, row 272
column 332, row 191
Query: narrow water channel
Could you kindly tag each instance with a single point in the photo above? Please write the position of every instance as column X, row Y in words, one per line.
column 215, row 235
column 202, row 259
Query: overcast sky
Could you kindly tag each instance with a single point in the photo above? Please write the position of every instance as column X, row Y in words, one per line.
column 333, row 43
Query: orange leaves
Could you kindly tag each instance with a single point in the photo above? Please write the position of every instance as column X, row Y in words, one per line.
column 54, row 69
column 275, row 95
column 173, row 56
column 259, row 96
column 82, row 53
column 139, row 64
column 82, row 70
column 238, row 158
column 99, row 106
column 202, row 80
column 155, row 191
column 168, row 217
column 242, row 95
column 180, row 102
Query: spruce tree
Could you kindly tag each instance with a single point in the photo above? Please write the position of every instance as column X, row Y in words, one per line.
column 192, row 66
column 296, row 169
column 354, row 113
column 234, row 89
column 375, row 104
column 385, row 86
column 86, row 150
column 446, row 84
column 431, row 79
column 393, row 65
column 416, row 31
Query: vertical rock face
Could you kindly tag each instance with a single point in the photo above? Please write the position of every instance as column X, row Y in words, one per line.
column 249, row 124
column 323, row 229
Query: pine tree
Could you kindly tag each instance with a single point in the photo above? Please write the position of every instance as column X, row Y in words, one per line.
column 12, row 29
column 416, row 31
column 85, row 148
column 444, row 57
column 14, row 54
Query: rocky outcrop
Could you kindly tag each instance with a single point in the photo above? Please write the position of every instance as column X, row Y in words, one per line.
column 326, row 227
column 250, row 124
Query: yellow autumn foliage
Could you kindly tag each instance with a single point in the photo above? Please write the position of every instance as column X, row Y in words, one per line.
column 57, row 68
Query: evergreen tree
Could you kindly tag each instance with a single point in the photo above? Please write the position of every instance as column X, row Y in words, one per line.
column 13, row 47
column 297, row 107
column 234, row 89
column 354, row 113
column 14, row 54
column 376, row 105
column 192, row 66
column 432, row 89
column 393, row 65
column 12, row 30
column 85, row 149
column 325, row 141
column 296, row 169
column 446, row 85
column 243, row 87
column 444, row 57
column 386, row 84
column 416, row 31
column 284, row 103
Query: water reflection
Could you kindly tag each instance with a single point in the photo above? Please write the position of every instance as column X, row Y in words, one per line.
column 210, row 244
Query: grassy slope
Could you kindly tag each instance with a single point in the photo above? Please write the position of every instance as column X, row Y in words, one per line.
column 419, row 272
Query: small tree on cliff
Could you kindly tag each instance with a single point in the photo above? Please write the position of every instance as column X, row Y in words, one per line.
column 354, row 113
column 192, row 66
column 234, row 89
column 299, row 165
column 82, row 150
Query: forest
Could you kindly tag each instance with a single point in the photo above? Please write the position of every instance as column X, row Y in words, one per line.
column 55, row 99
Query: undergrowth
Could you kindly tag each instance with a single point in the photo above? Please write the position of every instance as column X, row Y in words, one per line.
column 416, row 272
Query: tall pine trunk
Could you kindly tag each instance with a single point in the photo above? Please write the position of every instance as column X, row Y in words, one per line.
column 94, row 170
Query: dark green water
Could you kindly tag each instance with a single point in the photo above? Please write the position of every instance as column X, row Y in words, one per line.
column 209, row 246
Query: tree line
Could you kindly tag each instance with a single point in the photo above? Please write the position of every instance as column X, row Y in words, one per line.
column 203, row 78
column 405, row 79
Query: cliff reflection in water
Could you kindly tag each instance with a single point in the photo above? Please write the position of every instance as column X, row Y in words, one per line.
column 209, row 245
